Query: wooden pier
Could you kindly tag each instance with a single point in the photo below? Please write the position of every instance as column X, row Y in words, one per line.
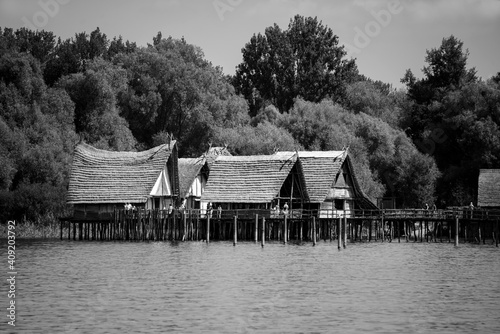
column 409, row 225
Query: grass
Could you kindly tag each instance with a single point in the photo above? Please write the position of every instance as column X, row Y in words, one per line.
column 29, row 230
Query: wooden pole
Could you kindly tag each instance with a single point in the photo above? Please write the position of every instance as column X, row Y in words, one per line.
column 263, row 231
column 314, row 230
column 345, row 230
column 235, row 230
column 339, row 233
column 208, row 228
column 456, row 231
column 285, row 231
column 256, row 227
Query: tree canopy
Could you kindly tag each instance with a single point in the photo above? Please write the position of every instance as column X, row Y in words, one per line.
column 304, row 61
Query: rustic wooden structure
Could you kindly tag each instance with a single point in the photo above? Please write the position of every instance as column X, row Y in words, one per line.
column 331, row 184
column 256, row 182
column 102, row 181
column 193, row 176
column 376, row 225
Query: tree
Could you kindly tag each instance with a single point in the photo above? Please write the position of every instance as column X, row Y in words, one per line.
column 172, row 89
column 305, row 60
column 97, row 119
column 455, row 118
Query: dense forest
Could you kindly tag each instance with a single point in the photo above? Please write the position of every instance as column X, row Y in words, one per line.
column 294, row 89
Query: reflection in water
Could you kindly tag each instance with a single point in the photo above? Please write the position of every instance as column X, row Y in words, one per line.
column 192, row 287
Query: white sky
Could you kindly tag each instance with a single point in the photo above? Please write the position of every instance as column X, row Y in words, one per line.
column 384, row 49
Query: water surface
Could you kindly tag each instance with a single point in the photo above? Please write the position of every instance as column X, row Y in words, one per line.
column 192, row 287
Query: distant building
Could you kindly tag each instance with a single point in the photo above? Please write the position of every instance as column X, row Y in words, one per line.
column 331, row 184
column 488, row 192
column 103, row 180
column 256, row 182
column 193, row 176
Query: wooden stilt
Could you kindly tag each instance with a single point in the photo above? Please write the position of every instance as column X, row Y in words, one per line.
column 345, row 230
column 456, row 230
column 235, row 230
column 256, row 228
column 285, row 231
column 339, row 233
column 263, row 241
column 208, row 229
column 314, row 230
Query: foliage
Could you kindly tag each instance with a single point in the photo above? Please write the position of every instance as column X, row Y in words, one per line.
column 304, row 61
column 455, row 118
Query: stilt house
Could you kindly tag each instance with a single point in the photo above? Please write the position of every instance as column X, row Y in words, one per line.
column 488, row 193
column 193, row 176
column 331, row 184
column 256, row 182
column 103, row 180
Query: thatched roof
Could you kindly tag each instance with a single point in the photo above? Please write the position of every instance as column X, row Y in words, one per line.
column 99, row 176
column 188, row 170
column 488, row 193
column 320, row 169
column 248, row 179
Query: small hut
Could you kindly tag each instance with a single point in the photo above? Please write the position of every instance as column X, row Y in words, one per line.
column 193, row 175
column 331, row 184
column 102, row 180
column 256, row 182
column 488, row 192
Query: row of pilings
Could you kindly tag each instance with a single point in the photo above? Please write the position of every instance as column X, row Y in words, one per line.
column 160, row 225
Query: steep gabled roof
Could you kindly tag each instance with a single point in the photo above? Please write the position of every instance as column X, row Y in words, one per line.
column 320, row 169
column 248, row 179
column 189, row 168
column 99, row 176
column 488, row 193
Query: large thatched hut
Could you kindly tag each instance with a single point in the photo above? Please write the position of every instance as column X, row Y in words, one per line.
column 331, row 184
column 102, row 180
column 488, row 193
column 256, row 182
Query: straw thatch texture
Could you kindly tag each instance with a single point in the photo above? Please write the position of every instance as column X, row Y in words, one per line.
column 99, row 176
column 247, row 179
column 488, row 194
column 320, row 169
column 189, row 168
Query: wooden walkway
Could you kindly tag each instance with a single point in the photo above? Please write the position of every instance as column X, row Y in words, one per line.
column 479, row 226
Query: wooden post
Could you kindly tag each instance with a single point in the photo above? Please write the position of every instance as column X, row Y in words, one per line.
column 383, row 226
column 256, row 227
column 263, row 231
column 339, row 233
column 285, row 231
column 314, row 230
column 345, row 230
column 184, row 225
column 208, row 228
column 235, row 230
column 456, row 231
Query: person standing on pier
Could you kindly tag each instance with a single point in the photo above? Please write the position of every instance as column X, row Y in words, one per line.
column 285, row 209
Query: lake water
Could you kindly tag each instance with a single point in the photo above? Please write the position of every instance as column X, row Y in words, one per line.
column 192, row 287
